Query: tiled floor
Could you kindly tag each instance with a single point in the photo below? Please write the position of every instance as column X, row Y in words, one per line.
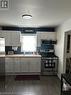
column 47, row 85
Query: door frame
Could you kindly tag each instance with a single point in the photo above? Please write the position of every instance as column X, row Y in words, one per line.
column 66, row 55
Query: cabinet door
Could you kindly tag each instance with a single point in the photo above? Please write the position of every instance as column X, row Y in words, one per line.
column 12, row 38
column 9, row 65
column 16, row 65
column 24, row 64
column 6, row 35
column 45, row 36
column 8, row 39
column 15, row 38
column 38, row 63
column 2, row 65
column 35, row 65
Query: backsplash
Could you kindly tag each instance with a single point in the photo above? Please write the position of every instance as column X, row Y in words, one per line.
column 10, row 48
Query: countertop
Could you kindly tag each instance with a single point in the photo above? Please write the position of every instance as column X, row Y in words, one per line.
column 21, row 55
column 2, row 55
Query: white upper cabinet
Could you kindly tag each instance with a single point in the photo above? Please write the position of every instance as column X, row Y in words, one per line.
column 12, row 38
column 7, row 38
column 46, row 36
column 15, row 38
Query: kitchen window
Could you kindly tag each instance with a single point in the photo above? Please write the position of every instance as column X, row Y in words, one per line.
column 28, row 43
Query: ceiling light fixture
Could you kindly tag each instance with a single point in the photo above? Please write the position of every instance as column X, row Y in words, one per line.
column 26, row 16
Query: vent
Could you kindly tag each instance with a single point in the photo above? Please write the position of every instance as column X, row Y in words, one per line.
column 4, row 4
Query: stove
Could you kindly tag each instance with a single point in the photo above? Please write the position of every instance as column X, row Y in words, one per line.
column 49, row 61
column 49, row 64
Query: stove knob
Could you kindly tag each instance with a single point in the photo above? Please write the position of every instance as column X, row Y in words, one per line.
column 54, row 61
column 46, row 61
column 46, row 65
column 49, row 64
column 49, row 61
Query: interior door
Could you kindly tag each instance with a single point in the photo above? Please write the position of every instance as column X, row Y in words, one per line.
column 67, row 52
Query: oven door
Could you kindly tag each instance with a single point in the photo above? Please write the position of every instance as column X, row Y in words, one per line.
column 49, row 63
column 49, row 66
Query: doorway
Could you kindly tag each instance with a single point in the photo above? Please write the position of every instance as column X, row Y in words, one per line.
column 67, row 52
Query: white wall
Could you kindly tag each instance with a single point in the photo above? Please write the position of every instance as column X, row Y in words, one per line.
column 59, row 48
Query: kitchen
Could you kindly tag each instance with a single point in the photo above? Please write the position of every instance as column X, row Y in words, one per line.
column 22, row 53
column 18, row 50
column 34, row 52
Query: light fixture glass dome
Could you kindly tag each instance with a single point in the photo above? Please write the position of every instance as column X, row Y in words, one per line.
column 26, row 16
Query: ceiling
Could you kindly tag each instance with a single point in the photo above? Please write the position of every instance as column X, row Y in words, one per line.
column 44, row 12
